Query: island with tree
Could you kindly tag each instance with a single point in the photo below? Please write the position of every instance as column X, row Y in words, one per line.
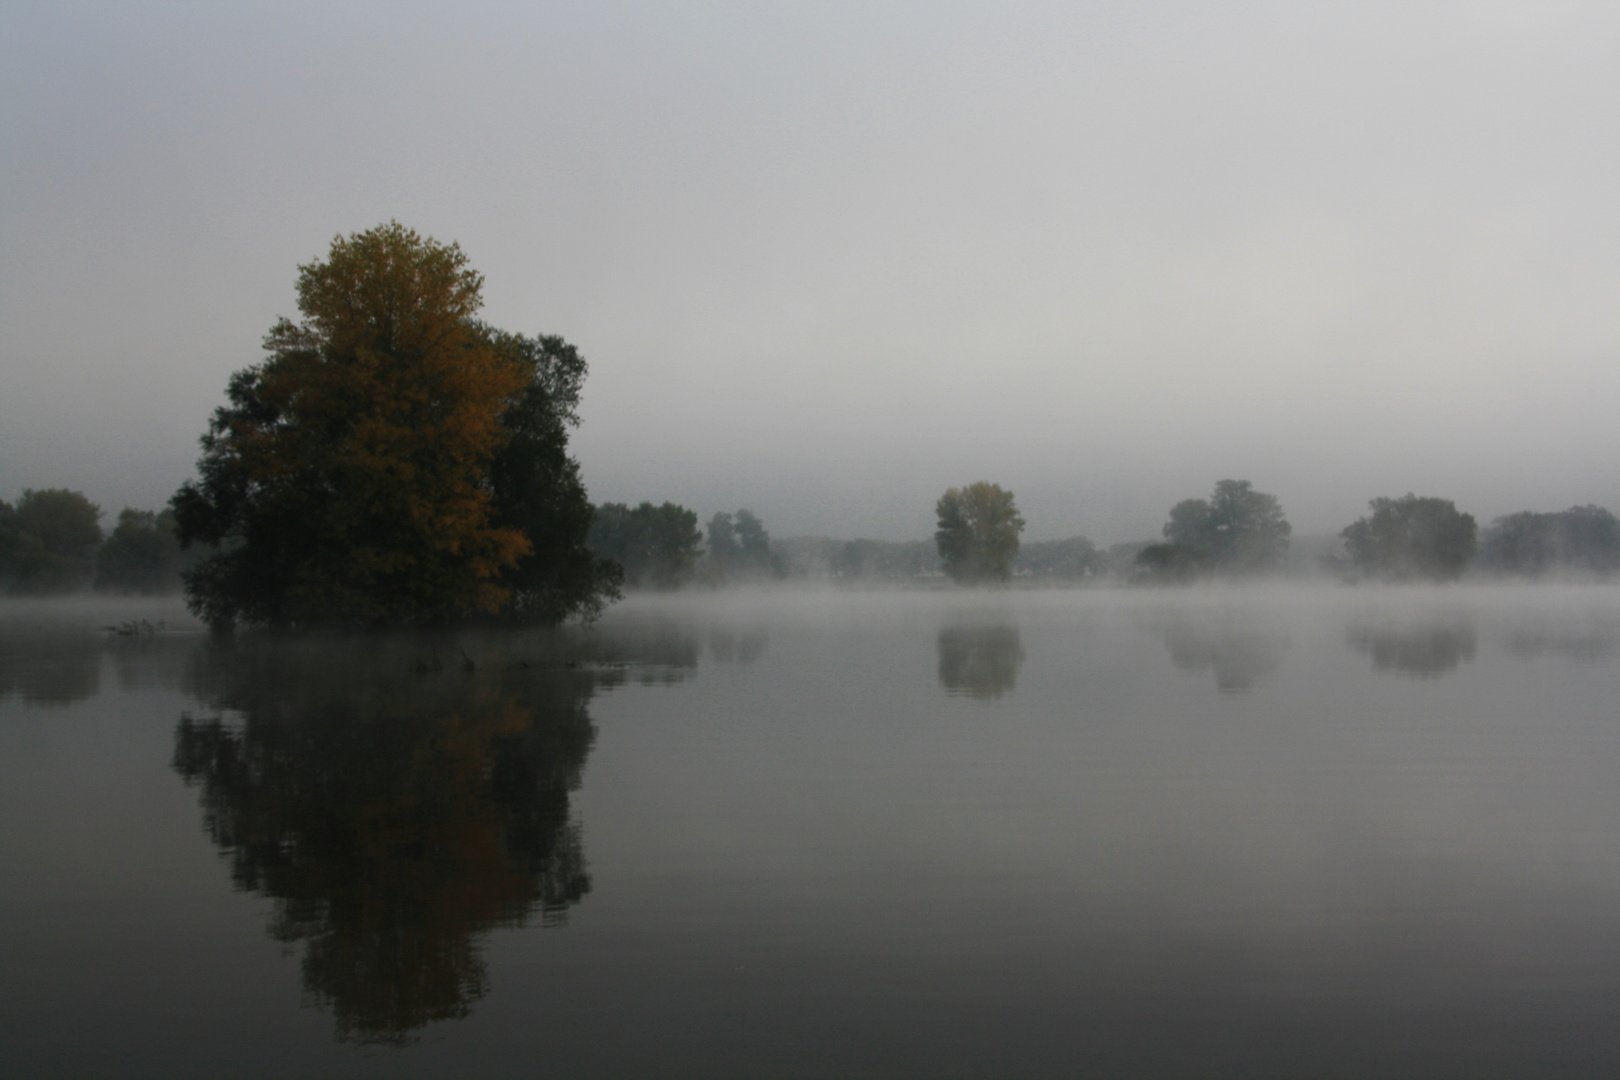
column 394, row 460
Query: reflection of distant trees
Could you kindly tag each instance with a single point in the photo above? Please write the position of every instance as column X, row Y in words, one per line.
column 49, row 669
column 396, row 798
column 651, row 652
column 1240, row 654
column 1426, row 649
column 980, row 661
column 59, row 667
column 1584, row 644
column 729, row 646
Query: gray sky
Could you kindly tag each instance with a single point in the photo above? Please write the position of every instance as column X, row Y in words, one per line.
column 826, row 261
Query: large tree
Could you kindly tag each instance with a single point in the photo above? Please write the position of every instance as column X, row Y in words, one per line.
column 978, row 532
column 739, row 547
column 393, row 459
column 1412, row 537
column 1237, row 531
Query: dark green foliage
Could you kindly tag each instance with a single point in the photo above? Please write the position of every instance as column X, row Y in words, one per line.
column 1412, row 537
column 739, row 547
column 1580, row 540
column 538, row 491
column 656, row 545
column 141, row 556
column 394, row 460
column 1237, row 532
column 392, row 810
column 978, row 532
column 48, row 541
column 11, row 542
column 258, row 534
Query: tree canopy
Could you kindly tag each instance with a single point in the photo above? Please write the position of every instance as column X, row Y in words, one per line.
column 657, row 545
column 1580, row 540
column 1412, row 537
column 1237, row 531
column 538, row 490
column 48, row 541
column 739, row 547
column 141, row 556
column 394, row 459
column 978, row 532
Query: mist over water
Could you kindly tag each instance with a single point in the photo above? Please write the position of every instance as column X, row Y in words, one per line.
column 1275, row 831
column 827, row 261
column 1165, row 304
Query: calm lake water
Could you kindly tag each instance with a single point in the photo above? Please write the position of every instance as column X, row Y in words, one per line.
column 1322, row 832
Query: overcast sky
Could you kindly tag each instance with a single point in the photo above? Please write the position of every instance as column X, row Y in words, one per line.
column 827, row 260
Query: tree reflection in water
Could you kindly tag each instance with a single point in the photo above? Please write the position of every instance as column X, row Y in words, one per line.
column 396, row 799
column 49, row 669
column 1241, row 649
column 1580, row 642
column 1426, row 649
column 729, row 645
column 980, row 660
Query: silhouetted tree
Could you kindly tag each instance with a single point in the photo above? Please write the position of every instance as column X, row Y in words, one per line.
column 1412, row 537
column 141, row 556
column 1237, row 531
column 352, row 477
column 11, row 546
column 47, row 541
column 978, row 532
column 1170, row 563
column 739, row 547
column 538, row 490
column 657, row 545
column 1581, row 540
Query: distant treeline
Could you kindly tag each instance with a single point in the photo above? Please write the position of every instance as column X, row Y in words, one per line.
column 1240, row 532
column 1236, row 533
column 51, row 543
column 661, row 547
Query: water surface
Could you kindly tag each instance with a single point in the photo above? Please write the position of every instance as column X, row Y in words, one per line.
column 1334, row 832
